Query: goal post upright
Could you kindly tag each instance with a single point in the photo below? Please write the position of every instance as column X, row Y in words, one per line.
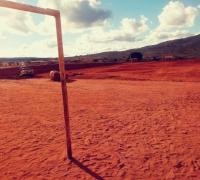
column 63, row 84
column 56, row 15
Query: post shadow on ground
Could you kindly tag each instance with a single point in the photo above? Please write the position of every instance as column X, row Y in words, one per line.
column 67, row 81
column 86, row 169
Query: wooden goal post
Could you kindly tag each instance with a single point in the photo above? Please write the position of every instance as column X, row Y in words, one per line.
column 56, row 14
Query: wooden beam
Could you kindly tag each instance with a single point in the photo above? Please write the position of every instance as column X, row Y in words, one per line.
column 28, row 8
column 63, row 84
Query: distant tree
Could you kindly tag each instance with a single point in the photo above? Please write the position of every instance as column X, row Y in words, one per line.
column 135, row 56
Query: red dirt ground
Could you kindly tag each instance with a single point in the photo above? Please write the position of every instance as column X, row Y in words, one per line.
column 188, row 70
column 121, row 129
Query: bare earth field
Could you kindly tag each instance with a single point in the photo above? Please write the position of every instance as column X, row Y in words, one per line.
column 188, row 70
column 142, row 123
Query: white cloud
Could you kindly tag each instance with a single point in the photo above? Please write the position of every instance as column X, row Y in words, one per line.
column 127, row 32
column 40, row 48
column 78, row 13
column 174, row 22
column 133, row 27
column 177, row 15
column 15, row 22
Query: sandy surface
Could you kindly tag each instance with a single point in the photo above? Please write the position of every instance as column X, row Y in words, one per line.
column 120, row 130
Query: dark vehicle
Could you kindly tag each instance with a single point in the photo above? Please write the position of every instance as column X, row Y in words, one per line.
column 26, row 71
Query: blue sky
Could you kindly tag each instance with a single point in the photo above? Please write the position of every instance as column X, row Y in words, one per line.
column 92, row 26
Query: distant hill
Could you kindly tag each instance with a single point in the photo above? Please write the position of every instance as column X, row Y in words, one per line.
column 185, row 48
column 182, row 48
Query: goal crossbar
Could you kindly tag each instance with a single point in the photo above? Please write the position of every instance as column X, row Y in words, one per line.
column 28, row 8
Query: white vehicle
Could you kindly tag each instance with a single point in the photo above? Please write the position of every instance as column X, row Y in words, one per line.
column 26, row 71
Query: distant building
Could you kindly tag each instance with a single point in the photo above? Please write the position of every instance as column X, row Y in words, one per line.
column 168, row 57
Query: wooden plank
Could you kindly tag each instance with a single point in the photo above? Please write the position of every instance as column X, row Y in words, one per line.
column 28, row 8
column 63, row 85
